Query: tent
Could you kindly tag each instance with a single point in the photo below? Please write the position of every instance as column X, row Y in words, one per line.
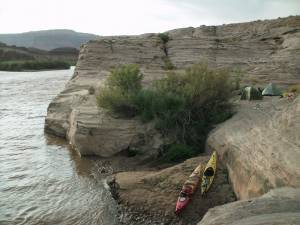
column 271, row 90
column 251, row 93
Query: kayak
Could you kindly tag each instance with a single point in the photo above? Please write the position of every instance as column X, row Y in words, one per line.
column 209, row 173
column 182, row 202
column 188, row 189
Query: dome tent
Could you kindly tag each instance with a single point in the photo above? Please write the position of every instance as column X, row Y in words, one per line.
column 271, row 90
column 251, row 93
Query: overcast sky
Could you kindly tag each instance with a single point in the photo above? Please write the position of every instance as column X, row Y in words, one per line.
column 113, row 17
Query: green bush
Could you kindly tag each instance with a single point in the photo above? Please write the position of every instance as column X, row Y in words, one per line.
column 164, row 37
column 126, row 78
column 182, row 105
column 168, row 65
column 294, row 88
column 115, row 101
column 178, row 152
column 122, row 85
column 133, row 152
column 187, row 105
column 154, row 104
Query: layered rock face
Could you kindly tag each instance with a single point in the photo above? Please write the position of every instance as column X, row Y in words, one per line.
column 260, row 146
column 73, row 114
column 279, row 206
column 265, row 50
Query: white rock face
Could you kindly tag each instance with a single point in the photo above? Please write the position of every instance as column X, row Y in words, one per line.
column 265, row 50
column 279, row 206
column 260, row 146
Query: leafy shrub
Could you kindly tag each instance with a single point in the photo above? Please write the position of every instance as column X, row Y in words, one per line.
column 131, row 152
column 168, row 65
column 143, row 101
column 156, row 104
column 178, row 152
column 187, row 105
column 115, row 101
column 183, row 105
column 164, row 37
column 91, row 90
column 294, row 88
column 126, row 78
column 122, row 85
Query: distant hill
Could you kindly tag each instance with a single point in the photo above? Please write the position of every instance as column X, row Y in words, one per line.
column 47, row 39
column 13, row 53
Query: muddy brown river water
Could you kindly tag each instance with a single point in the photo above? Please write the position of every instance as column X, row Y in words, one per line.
column 42, row 180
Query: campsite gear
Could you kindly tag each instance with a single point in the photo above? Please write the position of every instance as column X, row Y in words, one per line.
column 291, row 96
column 271, row 90
column 188, row 189
column 209, row 173
column 251, row 93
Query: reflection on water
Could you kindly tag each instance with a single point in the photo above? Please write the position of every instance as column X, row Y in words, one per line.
column 42, row 181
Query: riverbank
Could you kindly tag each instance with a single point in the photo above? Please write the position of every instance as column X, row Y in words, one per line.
column 149, row 197
column 146, row 192
column 33, row 65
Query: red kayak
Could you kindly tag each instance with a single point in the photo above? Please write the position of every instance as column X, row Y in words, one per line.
column 182, row 202
column 188, row 189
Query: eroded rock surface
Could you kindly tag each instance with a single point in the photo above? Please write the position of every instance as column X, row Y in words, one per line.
column 260, row 146
column 153, row 194
column 266, row 50
column 279, row 206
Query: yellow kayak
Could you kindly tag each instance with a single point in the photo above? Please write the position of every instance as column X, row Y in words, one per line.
column 209, row 173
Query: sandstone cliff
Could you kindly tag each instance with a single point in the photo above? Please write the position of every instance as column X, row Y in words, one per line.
column 265, row 50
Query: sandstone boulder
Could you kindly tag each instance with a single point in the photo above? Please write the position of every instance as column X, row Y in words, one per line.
column 279, row 206
column 260, row 146
column 154, row 193
column 96, row 132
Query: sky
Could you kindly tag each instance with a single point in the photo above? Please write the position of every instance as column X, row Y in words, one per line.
column 120, row 17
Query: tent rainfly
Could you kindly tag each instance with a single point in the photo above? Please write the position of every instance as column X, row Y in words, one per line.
column 251, row 93
column 271, row 90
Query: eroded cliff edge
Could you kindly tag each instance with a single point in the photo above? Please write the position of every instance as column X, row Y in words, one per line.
column 266, row 50
column 259, row 146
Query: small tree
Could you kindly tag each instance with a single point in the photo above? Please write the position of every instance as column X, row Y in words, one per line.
column 164, row 37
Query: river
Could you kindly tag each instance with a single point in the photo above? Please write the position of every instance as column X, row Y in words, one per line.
column 42, row 180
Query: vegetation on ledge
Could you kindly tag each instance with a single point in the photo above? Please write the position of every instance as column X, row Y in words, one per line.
column 182, row 105
column 32, row 65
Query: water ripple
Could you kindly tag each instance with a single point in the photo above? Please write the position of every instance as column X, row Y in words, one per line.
column 42, row 183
